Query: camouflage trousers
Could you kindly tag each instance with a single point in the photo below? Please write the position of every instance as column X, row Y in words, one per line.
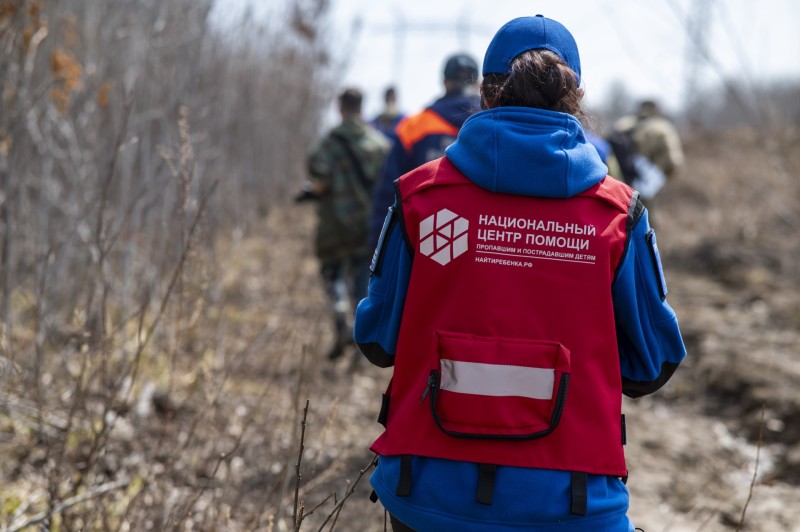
column 345, row 283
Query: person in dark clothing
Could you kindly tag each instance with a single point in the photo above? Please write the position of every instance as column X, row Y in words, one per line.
column 424, row 136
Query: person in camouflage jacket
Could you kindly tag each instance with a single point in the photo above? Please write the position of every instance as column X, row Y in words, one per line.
column 656, row 138
column 342, row 169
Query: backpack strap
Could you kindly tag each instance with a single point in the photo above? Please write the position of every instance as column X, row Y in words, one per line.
column 580, row 482
column 404, row 482
column 354, row 161
column 486, row 474
column 624, row 428
column 624, row 149
column 383, row 416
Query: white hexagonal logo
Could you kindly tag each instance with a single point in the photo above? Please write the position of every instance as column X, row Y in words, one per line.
column 443, row 236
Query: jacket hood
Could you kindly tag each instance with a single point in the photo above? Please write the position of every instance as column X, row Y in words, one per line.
column 528, row 152
column 456, row 107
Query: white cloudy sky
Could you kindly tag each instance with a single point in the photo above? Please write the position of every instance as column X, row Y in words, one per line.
column 643, row 43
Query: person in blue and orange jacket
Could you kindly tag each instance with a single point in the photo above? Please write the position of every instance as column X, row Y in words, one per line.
column 424, row 136
column 518, row 293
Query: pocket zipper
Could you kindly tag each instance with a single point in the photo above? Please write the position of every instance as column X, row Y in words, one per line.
column 431, row 384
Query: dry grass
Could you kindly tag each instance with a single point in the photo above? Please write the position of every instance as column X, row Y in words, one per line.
column 163, row 324
column 208, row 436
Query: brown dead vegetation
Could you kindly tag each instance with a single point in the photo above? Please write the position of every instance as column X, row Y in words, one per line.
column 163, row 325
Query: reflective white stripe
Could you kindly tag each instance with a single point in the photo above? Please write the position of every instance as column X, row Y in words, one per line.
column 497, row 380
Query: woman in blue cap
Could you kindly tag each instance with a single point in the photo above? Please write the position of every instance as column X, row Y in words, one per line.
column 518, row 293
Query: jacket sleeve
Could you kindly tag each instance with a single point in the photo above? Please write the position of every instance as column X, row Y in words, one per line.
column 649, row 340
column 319, row 164
column 378, row 316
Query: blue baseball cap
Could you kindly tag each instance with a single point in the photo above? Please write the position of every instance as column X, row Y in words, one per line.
column 529, row 33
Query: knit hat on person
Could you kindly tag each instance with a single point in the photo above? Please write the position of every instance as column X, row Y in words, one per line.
column 529, row 33
column 461, row 68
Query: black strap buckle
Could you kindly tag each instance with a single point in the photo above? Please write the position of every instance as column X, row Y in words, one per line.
column 486, row 474
column 404, row 482
column 579, row 492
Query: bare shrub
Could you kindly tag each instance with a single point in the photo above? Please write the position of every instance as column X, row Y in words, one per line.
column 135, row 139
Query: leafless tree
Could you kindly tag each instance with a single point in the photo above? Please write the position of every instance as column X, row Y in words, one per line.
column 135, row 135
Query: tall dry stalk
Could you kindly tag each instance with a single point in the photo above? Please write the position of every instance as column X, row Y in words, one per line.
column 108, row 243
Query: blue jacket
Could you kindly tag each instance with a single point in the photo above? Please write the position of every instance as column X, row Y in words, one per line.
column 603, row 148
column 423, row 141
column 493, row 149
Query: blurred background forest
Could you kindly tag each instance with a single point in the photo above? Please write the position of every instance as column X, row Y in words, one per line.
column 161, row 320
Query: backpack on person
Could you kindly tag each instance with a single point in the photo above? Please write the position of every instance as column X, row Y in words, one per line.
column 353, row 214
column 638, row 171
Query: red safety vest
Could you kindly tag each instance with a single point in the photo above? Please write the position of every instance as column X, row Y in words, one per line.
column 507, row 352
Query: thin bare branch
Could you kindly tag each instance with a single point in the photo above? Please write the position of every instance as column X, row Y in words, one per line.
column 297, row 516
column 350, row 490
column 90, row 493
column 755, row 470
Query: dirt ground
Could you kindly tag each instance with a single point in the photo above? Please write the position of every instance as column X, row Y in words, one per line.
column 212, row 436
column 723, row 436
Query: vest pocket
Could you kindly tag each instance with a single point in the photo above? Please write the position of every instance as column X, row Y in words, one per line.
column 497, row 388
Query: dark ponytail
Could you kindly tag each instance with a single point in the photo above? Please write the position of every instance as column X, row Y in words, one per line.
column 539, row 78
